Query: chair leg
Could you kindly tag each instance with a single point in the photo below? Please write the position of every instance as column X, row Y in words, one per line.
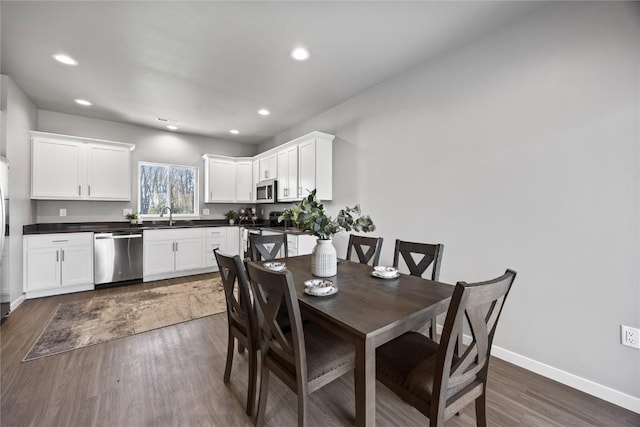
column 481, row 411
column 227, row 368
column 253, row 379
column 303, row 404
column 264, row 392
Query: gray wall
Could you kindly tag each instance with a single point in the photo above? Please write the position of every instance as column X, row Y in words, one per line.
column 519, row 150
column 152, row 145
column 18, row 118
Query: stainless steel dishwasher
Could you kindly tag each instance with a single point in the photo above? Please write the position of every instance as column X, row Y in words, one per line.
column 117, row 256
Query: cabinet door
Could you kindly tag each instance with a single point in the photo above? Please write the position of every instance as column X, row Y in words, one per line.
column 268, row 167
column 283, row 176
column 43, row 269
column 222, row 180
column 216, row 239
column 108, row 172
column 288, row 174
column 56, row 169
column 158, row 257
column 76, row 265
column 307, row 167
column 189, row 254
column 244, row 181
column 233, row 240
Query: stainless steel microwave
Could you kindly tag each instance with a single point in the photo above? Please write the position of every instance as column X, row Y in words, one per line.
column 267, row 191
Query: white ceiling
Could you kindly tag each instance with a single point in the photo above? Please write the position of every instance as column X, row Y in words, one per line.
column 212, row 65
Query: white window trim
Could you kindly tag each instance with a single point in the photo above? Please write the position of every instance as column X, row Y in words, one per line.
column 196, row 189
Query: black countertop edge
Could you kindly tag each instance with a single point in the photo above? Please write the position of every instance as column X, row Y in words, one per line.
column 76, row 227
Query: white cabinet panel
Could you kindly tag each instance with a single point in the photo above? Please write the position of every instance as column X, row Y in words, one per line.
column 72, row 168
column 170, row 252
column 221, row 180
column 57, row 263
column 57, row 171
column 288, row 174
column 244, row 181
column 268, row 167
column 109, row 172
column 43, row 269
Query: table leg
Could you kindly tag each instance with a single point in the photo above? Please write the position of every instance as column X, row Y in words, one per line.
column 365, row 383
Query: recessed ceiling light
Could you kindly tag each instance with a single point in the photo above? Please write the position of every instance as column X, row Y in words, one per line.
column 263, row 112
column 234, row 131
column 83, row 102
column 65, row 59
column 172, row 127
column 300, row 54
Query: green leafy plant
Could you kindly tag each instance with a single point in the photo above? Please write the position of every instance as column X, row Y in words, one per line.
column 232, row 215
column 309, row 216
column 132, row 215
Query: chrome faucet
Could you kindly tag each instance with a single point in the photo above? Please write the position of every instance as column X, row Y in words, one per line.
column 170, row 214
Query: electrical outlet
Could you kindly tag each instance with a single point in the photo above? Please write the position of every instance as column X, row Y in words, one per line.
column 126, row 212
column 630, row 336
column 63, row 212
column 205, row 211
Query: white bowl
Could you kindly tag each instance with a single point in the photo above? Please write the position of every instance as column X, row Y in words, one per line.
column 275, row 266
column 385, row 271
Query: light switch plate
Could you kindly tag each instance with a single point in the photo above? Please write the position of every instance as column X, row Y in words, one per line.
column 205, row 211
column 63, row 212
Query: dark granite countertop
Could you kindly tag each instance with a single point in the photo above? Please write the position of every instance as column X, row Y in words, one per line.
column 98, row 227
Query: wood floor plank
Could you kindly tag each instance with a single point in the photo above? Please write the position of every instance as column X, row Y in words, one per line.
column 173, row 376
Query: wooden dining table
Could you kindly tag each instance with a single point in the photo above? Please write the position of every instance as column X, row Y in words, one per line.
column 369, row 312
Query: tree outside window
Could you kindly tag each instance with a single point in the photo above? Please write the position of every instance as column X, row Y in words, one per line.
column 162, row 186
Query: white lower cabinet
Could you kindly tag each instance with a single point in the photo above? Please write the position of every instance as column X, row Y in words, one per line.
column 57, row 263
column 300, row 244
column 226, row 239
column 172, row 253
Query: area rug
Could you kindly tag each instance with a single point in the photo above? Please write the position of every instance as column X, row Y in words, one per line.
column 83, row 323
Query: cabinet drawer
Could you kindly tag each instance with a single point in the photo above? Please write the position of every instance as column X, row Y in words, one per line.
column 292, row 241
column 215, row 232
column 58, row 240
column 173, row 234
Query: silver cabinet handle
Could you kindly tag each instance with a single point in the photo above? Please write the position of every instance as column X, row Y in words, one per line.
column 57, row 256
column 176, row 246
column 89, row 189
column 62, row 255
column 79, row 190
column 59, row 241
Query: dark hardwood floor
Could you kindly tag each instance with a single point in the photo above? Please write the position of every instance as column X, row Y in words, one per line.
column 173, row 377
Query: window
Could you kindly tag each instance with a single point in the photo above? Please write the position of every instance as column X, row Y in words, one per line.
column 172, row 186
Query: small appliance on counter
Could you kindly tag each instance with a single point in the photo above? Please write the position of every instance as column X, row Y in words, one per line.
column 273, row 220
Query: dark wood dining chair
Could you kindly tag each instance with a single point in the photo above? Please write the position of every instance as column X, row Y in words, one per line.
column 431, row 256
column 267, row 247
column 431, row 376
column 241, row 320
column 372, row 245
column 305, row 357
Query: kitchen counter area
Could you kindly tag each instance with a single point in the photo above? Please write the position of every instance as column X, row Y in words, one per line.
column 101, row 227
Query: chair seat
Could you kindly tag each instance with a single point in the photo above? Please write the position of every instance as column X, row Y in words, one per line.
column 325, row 351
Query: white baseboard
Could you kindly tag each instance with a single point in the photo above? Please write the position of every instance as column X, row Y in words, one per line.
column 17, row 302
column 587, row 386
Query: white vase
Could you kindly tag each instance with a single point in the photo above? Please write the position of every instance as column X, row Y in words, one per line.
column 324, row 259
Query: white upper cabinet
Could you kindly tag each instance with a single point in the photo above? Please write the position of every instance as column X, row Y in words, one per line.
column 220, row 181
column 228, row 179
column 244, row 181
column 299, row 166
column 315, row 165
column 268, row 167
column 288, row 174
column 72, row 168
column 108, row 172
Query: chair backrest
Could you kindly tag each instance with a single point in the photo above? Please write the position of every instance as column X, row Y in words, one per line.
column 431, row 254
column 373, row 247
column 271, row 290
column 240, row 313
column 267, row 247
column 480, row 304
